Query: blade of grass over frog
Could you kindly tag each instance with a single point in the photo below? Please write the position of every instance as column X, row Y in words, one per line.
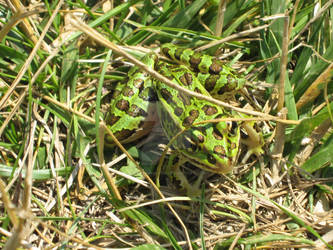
column 153, row 184
column 288, row 212
column 100, row 39
column 165, row 151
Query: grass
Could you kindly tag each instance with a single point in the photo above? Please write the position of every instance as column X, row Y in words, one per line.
column 61, row 187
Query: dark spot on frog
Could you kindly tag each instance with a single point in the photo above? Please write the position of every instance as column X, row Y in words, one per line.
column 166, row 95
column 188, row 121
column 122, row 105
column 219, row 116
column 178, row 111
column 197, row 90
column 136, row 111
column 210, row 82
column 215, row 67
column 116, row 93
column 201, row 138
column 227, row 88
column 128, row 92
column 165, row 51
column 123, row 134
column 233, row 145
column 195, row 60
column 209, row 110
column 202, row 129
column 217, row 134
column 194, row 114
column 186, row 79
column 178, row 53
column 184, row 98
column 220, row 151
column 112, row 119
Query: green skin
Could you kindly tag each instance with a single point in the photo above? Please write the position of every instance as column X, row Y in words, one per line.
column 211, row 146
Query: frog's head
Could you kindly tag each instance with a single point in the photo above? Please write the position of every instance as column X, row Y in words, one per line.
column 212, row 147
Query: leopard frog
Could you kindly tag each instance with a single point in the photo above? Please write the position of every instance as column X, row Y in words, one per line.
column 141, row 100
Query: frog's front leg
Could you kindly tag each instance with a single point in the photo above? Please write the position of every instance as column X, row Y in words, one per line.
column 192, row 190
column 252, row 139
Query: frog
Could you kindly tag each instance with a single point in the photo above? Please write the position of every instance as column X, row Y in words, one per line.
column 139, row 102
